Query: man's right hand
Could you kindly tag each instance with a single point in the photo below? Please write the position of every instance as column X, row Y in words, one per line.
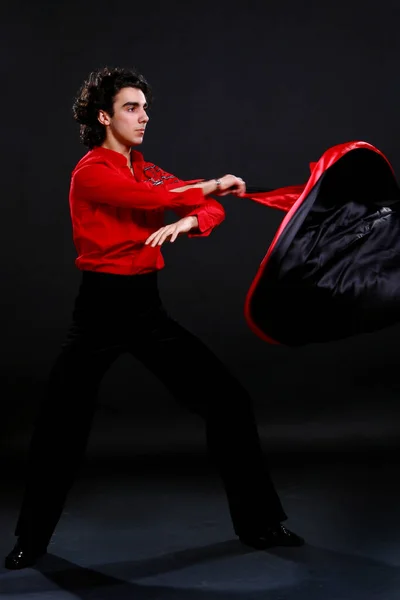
column 230, row 184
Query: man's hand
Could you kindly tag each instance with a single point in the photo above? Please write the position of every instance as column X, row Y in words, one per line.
column 172, row 231
column 230, row 184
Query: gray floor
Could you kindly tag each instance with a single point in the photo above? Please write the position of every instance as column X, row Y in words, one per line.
column 147, row 518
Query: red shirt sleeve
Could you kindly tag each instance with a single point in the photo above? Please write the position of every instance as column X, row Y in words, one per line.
column 209, row 212
column 98, row 183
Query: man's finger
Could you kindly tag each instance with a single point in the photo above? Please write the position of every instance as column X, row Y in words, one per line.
column 149, row 239
column 163, row 237
column 152, row 238
column 156, row 238
column 154, row 235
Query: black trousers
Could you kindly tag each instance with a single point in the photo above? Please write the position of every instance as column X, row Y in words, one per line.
column 114, row 314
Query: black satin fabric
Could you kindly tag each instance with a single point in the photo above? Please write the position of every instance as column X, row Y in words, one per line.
column 334, row 271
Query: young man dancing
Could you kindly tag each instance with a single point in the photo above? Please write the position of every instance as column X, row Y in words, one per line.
column 117, row 203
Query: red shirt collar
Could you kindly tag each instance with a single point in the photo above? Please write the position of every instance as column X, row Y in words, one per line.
column 116, row 157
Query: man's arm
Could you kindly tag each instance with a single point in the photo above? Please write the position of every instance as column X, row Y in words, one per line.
column 228, row 184
column 98, row 183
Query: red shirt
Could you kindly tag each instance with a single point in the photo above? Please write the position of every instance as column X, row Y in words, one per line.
column 113, row 212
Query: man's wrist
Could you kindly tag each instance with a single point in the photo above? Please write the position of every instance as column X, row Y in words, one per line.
column 217, row 184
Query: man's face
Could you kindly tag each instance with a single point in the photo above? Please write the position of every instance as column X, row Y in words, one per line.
column 129, row 121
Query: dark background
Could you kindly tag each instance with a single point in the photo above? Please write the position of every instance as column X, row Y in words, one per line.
column 255, row 88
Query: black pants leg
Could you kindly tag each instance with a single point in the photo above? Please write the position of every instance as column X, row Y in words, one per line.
column 107, row 309
column 201, row 382
column 60, row 436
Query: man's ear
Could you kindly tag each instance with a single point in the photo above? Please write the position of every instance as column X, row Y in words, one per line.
column 103, row 117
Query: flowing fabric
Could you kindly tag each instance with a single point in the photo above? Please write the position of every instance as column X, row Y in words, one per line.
column 333, row 268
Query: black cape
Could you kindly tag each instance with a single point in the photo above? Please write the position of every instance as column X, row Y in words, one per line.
column 333, row 268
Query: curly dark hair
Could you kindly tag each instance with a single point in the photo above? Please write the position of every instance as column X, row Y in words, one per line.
column 98, row 93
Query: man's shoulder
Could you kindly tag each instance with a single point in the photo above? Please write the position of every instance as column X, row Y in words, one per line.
column 93, row 158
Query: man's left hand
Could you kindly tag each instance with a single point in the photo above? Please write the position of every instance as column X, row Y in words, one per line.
column 172, row 231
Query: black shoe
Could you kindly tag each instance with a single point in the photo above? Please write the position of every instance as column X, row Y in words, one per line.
column 24, row 555
column 276, row 535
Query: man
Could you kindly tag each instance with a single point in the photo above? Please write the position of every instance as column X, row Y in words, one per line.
column 117, row 203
